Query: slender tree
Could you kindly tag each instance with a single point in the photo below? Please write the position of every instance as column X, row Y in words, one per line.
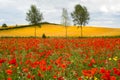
column 34, row 16
column 80, row 16
column 65, row 19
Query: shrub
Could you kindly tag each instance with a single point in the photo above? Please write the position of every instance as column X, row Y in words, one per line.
column 4, row 25
column 43, row 36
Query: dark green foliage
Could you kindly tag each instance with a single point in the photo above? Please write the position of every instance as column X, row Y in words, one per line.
column 17, row 27
column 24, row 26
column 34, row 16
column 4, row 25
column 45, row 23
column 80, row 15
column 43, row 36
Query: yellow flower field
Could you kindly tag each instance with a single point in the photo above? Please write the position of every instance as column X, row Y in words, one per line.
column 59, row 31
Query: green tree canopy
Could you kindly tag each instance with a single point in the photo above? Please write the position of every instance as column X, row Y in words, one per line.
column 80, row 16
column 34, row 16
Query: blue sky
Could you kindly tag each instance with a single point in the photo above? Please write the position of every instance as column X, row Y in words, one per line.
column 104, row 13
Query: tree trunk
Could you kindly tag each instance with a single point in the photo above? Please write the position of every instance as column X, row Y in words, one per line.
column 35, row 31
column 66, row 31
column 81, row 32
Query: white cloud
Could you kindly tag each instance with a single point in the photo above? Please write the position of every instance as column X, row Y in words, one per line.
column 104, row 9
column 2, row 20
column 105, row 12
column 110, row 8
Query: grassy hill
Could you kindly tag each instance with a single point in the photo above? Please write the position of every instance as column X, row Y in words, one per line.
column 53, row 30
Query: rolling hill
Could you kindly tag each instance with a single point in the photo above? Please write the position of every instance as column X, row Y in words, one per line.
column 53, row 30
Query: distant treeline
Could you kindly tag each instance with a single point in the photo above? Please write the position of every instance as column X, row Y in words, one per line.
column 23, row 26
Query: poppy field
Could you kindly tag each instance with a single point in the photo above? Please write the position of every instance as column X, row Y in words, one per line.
column 60, row 59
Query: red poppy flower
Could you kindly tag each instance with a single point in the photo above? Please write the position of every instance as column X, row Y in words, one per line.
column 61, row 78
column 93, row 61
column 49, row 67
column 13, row 61
column 54, row 76
column 9, row 78
column 63, row 66
column 112, row 78
column 39, row 74
column 28, row 76
column 86, row 73
column 102, row 70
column 25, row 69
column 2, row 61
column 9, row 71
column 79, row 78
column 116, row 71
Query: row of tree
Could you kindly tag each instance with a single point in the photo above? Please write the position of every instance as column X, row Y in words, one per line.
column 80, row 17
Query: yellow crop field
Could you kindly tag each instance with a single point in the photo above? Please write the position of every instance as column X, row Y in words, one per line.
column 59, row 31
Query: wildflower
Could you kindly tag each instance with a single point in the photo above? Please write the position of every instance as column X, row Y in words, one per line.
column 58, row 61
column 112, row 78
column 93, row 61
column 39, row 74
column 106, row 75
column 61, row 78
column 110, row 59
column 63, row 66
column 89, row 73
column 10, row 66
column 95, row 78
column 9, row 71
column 43, row 65
column 9, row 78
column 102, row 70
column 79, row 78
column 115, row 58
column 54, row 76
column 86, row 73
column 2, row 61
column 49, row 67
column 13, row 61
column 17, row 67
column 33, row 77
column 25, row 69
column 86, row 77
column 90, row 64
column 93, row 71
column 28, row 76
column 116, row 71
